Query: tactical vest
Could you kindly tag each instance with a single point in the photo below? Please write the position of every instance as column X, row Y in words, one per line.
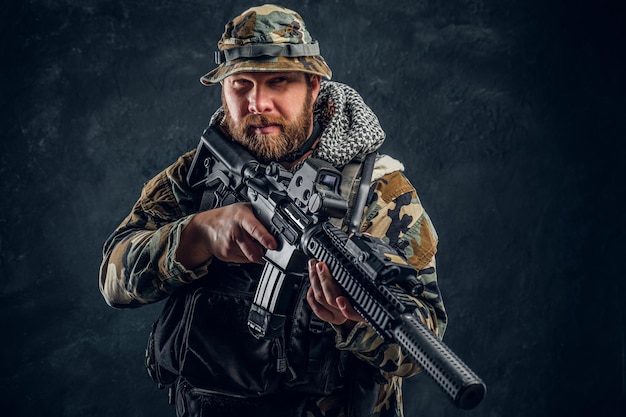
column 202, row 335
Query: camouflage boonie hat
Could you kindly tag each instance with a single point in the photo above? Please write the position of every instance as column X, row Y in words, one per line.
column 266, row 38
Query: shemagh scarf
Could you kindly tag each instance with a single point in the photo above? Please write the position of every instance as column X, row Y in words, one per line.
column 350, row 127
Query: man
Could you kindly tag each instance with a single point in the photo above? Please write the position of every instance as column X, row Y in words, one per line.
column 328, row 361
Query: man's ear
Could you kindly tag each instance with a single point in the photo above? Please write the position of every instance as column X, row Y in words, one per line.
column 316, row 81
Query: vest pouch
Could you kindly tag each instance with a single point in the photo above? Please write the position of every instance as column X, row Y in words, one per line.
column 219, row 354
column 162, row 351
column 312, row 354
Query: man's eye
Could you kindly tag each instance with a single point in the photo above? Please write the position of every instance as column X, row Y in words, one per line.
column 279, row 80
column 241, row 83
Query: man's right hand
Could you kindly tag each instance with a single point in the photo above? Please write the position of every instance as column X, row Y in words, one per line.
column 231, row 233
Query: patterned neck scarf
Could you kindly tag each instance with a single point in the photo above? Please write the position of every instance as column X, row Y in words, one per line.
column 350, row 127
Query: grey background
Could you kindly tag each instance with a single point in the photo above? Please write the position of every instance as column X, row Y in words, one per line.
column 509, row 116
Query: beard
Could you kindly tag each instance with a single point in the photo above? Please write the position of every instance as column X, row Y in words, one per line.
column 282, row 146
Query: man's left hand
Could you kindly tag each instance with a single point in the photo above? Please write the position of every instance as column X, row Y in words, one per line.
column 325, row 297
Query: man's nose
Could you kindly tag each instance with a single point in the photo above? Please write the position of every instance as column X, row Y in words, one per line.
column 259, row 100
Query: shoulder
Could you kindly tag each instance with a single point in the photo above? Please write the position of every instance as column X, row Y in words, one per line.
column 386, row 164
column 168, row 193
column 389, row 181
column 178, row 170
column 395, row 213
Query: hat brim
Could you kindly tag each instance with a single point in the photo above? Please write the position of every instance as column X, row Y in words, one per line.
column 308, row 64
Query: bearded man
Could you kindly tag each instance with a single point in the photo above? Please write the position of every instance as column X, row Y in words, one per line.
column 279, row 103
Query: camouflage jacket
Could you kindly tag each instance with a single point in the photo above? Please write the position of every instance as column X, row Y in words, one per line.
column 139, row 265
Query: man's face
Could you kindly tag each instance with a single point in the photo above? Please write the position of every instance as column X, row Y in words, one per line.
column 270, row 113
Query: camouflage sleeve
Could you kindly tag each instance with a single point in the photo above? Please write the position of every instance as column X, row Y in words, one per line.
column 139, row 265
column 396, row 214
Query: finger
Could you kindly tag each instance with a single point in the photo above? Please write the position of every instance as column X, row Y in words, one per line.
column 314, row 279
column 329, row 286
column 253, row 238
column 250, row 249
column 347, row 310
column 321, row 311
column 317, row 298
column 232, row 250
column 315, row 289
column 255, row 228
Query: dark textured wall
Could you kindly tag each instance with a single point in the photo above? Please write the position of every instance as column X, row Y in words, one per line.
column 509, row 115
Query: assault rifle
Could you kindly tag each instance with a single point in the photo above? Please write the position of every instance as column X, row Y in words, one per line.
column 296, row 208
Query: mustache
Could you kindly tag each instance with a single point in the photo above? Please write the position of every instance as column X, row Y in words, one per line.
column 256, row 120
